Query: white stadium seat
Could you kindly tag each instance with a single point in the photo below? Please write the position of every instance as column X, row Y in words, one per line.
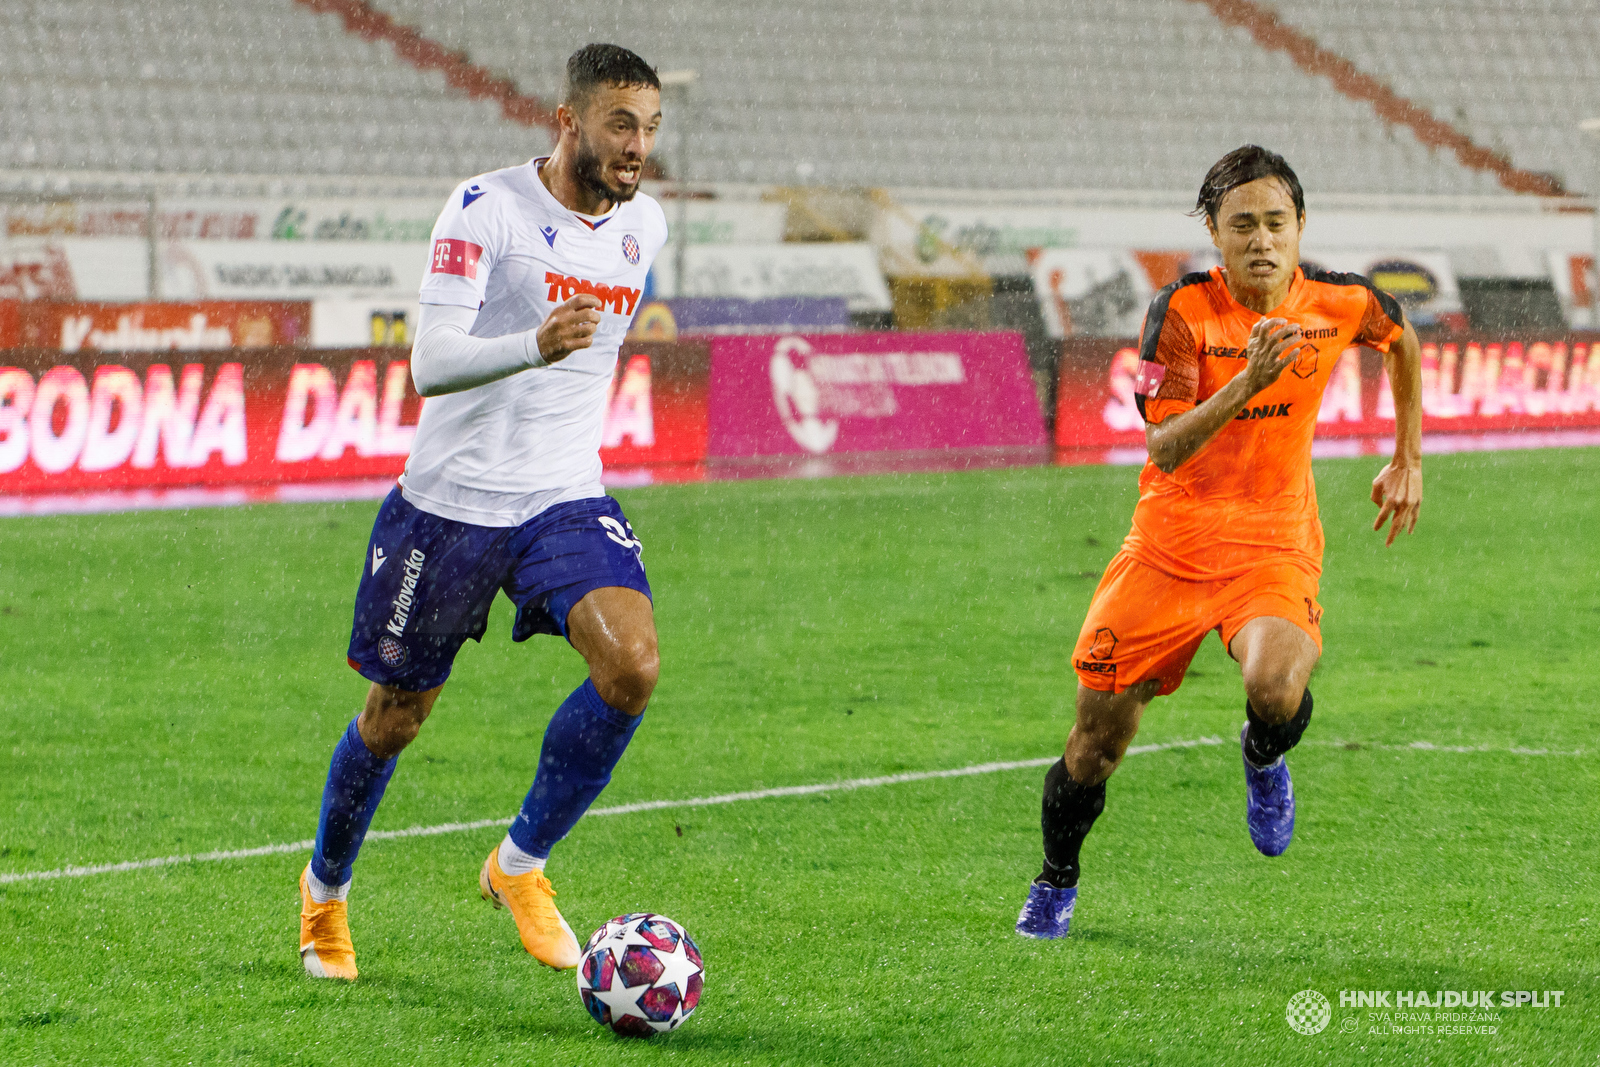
column 987, row 94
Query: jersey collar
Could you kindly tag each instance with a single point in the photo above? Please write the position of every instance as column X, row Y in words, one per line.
column 593, row 222
column 1295, row 285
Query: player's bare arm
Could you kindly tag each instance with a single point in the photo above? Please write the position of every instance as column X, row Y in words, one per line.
column 1274, row 346
column 1397, row 490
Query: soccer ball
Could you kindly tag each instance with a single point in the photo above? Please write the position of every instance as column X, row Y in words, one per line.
column 641, row 974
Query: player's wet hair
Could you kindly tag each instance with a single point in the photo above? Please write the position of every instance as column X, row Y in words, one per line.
column 1241, row 167
column 595, row 65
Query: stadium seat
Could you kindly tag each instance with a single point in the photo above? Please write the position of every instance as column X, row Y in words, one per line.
column 1090, row 93
column 238, row 86
column 1517, row 79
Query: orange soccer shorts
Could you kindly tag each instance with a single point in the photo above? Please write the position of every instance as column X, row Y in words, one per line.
column 1145, row 624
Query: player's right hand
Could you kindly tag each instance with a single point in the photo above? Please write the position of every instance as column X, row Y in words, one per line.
column 1273, row 346
column 569, row 328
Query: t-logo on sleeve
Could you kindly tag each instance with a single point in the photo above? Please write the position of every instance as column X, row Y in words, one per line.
column 454, row 256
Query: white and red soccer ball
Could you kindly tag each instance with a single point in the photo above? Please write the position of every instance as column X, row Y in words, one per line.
column 641, row 974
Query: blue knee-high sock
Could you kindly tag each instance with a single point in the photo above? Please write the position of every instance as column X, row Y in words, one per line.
column 356, row 781
column 584, row 740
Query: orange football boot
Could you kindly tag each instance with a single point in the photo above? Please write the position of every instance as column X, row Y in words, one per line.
column 325, row 946
column 545, row 934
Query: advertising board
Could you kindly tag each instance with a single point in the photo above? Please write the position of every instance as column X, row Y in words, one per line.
column 764, row 271
column 152, row 327
column 666, row 320
column 1471, row 384
column 74, row 268
column 323, row 218
column 1104, row 291
column 291, row 270
column 86, row 420
column 83, row 420
column 815, row 394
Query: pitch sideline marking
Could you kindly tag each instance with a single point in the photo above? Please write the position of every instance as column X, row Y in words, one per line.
column 1429, row 746
column 619, row 809
column 723, row 798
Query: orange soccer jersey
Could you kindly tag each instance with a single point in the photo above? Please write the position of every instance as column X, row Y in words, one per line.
column 1233, row 533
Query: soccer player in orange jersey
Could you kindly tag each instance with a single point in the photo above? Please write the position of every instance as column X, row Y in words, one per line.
column 1226, row 535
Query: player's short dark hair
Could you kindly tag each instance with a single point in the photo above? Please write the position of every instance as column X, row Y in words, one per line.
column 595, row 65
column 1241, row 167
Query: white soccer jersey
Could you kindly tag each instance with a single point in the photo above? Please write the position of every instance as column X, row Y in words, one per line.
column 498, row 454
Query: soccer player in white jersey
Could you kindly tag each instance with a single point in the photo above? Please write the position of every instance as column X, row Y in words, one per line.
column 535, row 273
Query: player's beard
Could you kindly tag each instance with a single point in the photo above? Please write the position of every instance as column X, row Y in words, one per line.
column 591, row 172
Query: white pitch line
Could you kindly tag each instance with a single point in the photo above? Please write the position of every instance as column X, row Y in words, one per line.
column 1429, row 746
column 723, row 798
column 620, row 809
column 869, row 783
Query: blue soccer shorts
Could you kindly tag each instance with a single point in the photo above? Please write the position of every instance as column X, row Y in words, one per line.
column 427, row 582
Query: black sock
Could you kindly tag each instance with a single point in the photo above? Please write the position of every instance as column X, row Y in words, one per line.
column 1265, row 742
column 1069, row 810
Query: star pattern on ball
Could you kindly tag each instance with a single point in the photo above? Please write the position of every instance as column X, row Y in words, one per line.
column 677, row 968
column 641, row 974
column 623, row 1000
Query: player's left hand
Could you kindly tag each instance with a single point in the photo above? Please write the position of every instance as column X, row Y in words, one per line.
column 1397, row 490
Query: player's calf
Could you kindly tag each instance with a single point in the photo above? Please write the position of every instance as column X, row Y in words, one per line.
column 1267, row 739
column 1105, row 725
column 1068, row 812
column 363, row 762
column 1074, row 796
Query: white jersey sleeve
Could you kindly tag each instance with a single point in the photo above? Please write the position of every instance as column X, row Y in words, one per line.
column 446, row 358
column 468, row 239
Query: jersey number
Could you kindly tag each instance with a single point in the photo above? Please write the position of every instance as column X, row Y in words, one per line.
column 621, row 533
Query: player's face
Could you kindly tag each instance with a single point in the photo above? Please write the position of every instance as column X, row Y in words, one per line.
column 616, row 133
column 1258, row 234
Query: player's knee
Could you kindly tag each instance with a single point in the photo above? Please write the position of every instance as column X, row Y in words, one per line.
column 392, row 719
column 1093, row 754
column 628, row 676
column 1093, row 759
column 1274, row 695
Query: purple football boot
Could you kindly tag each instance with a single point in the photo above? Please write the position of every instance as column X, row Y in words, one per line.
column 1048, row 911
column 1269, row 804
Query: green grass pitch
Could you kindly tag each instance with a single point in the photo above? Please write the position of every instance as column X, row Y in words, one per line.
column 174, row 683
